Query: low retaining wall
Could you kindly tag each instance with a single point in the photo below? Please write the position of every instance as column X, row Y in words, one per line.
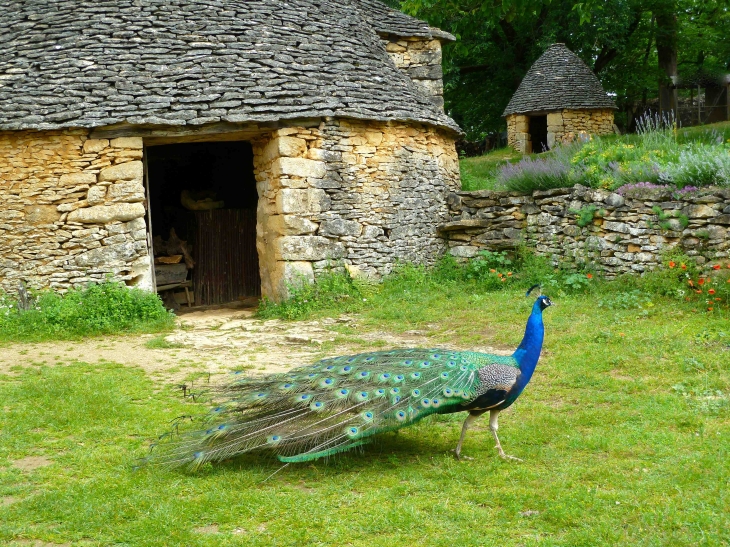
column 595, row 229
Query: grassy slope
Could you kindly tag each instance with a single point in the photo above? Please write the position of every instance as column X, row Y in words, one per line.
column 614, row 454
column 477, row 172
column 688, row 133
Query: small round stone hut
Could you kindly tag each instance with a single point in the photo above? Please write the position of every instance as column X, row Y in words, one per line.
column 263, row 140
column 558, row 99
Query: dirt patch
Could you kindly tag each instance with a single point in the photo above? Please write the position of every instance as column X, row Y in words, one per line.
column 7, row 500
column 38, row 543
column 215, row 341
column 31, row 463
column 210, row 529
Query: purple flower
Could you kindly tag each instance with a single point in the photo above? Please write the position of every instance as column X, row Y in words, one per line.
column 687, row 190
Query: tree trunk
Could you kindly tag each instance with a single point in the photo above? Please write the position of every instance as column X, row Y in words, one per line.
column 665, row 15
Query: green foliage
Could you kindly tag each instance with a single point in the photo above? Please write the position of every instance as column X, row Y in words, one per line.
column 488, row 272
column 479, row 173
column 492, row 270
column 160, row 342
column 706, row 287
column 332, row 291
column 497, row 42
column 700, row 164
column 629, row 300
column 665, row 216
column 612, row 162
column 584, row 215
column 656, row 156
column 105, row 308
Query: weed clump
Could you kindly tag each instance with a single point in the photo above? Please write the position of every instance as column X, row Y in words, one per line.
column 332, row 291
column 411, row 289
column 105, row 308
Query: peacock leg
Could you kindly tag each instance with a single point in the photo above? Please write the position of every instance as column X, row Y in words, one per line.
column 469, row 419
column 494, row 426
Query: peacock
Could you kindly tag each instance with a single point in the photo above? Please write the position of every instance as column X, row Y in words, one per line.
column 340, row 403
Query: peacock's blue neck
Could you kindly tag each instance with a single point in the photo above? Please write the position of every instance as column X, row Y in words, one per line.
column 528, row 352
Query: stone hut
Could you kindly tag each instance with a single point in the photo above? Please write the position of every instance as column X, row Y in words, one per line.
column 278, row 138
column 558, row 99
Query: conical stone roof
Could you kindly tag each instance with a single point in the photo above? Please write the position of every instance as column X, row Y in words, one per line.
column 559, row 79
column 94, row 63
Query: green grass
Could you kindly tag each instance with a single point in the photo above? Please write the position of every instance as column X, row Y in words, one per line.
column 477, row 173
column 160, row 342
column 99, row 309
column 625, row 433
column 688, row 134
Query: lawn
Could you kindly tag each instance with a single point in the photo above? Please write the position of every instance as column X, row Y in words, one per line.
column 625, row 433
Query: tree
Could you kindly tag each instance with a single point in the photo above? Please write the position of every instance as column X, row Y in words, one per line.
column 632, row 46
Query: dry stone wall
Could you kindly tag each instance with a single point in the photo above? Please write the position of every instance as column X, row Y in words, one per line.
column 359, row 195
column 622, row 234
column 346, row 194
column 563, row 126
column 566, row 125
column 421, row 59
column 73, row 210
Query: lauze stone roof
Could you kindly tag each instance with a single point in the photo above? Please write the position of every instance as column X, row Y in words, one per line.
column 92, row 63
column 559, row 79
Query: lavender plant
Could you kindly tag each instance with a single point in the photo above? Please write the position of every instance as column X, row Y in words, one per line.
column 534, row 174
column 551, row 170
column 699, row 164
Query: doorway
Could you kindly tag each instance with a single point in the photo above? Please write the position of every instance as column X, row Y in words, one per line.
column 539, row 134
column 204, row 195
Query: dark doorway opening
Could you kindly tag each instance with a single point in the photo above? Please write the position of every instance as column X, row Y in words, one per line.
column 206, row 193
column 538, row 133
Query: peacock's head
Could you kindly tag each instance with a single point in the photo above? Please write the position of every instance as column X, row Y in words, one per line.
column 542, row 301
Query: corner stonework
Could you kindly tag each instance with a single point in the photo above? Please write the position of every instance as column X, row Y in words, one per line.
column 420, row 58
column 76, row 210
column 350, row 195
column 518, row 133
column 286, row 181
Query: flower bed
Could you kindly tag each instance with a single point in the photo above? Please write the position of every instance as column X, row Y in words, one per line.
column 660, row 155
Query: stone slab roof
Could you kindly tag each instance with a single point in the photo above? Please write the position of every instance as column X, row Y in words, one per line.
column 559, row 79
column 386, row 20
column 95, row 63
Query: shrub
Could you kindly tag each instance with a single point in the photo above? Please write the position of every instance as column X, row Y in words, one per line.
column 612, row 163
column 333, row 290
column 699, row 164
column 105, row 308
column 543, row 173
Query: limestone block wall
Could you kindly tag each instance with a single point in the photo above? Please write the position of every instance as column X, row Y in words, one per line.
column 421, row 59
column 563, row 126
column 73, row 210
column 626, row 234
column 518, row 133
column 359, row 195
column 566, row 125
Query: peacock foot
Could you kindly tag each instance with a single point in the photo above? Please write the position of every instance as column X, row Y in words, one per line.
column 458, row 456
column 507, row 456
